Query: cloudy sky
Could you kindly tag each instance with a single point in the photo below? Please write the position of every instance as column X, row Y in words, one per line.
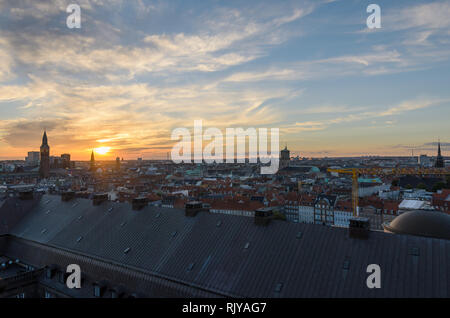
column 138, row 69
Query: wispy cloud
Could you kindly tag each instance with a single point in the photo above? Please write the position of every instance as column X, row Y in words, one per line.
column 358, row 115
column 136, row 69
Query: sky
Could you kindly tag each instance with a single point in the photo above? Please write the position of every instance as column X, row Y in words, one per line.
column 136, row 70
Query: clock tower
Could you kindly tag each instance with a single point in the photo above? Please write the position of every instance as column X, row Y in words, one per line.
column 44, row 169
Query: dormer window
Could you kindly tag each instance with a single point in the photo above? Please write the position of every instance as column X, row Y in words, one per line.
column 61, row 277
column 50, row 271
column 97, row 291
column 99, row 288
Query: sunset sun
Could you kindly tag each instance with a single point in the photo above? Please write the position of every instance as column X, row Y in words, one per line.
column 102, row 150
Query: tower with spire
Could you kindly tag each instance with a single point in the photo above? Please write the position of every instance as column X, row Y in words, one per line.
column 439, row 158
column 44, row 167
column 285, row 157
column 92, row 168
column 117, row 164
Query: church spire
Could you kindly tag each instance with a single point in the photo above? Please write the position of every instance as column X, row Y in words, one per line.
column 44, row 139
column 92, row 161
column 439, row 159
column 439, row 148
column 44, row 165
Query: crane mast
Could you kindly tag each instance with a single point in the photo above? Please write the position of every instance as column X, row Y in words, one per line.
column 356, row 172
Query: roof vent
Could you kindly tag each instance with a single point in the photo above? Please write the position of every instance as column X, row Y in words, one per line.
column 346, row 265
column 139, row 203
column 359, row 228
column 193, row 207
column 99, row 198
column 67, row 196
column 263, row 216
column 278, row 287
column 414, row 251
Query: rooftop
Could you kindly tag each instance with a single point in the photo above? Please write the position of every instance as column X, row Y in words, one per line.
column 230, row 255
column 423, row 223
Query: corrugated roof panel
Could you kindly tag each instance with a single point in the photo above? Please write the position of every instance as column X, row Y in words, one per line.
column 197, row 251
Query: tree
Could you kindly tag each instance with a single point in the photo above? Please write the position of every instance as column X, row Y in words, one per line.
column 394, row 183
column 422, row 186
column 279, row 216
column 438, row 186
column 408, row 186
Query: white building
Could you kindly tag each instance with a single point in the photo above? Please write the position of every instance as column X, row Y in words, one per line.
column 306, row 214
column 413, row 205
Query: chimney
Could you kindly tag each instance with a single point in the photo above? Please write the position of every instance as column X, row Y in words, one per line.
column 139, row 203
column 359, row 228
column 99, row 198
column 67, row 196
column 26, row 195
column 193, row 207
column 263, row 216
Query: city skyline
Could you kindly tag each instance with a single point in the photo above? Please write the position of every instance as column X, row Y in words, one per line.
column 137, row 70
column 104, row 153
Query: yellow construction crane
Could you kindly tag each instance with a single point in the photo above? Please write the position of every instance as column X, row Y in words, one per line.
column 356, row 172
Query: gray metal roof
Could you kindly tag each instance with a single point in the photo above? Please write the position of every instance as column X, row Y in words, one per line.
column 422, row 222
column 232, row 255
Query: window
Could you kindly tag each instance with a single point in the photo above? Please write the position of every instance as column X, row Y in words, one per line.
column 48, row 295
column 21, row 295
column 97, row 291
column 61, row 278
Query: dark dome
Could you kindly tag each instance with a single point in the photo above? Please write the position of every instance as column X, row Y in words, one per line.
column 422, row 223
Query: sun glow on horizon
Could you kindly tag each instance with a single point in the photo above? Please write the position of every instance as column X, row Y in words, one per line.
column 102, row 150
